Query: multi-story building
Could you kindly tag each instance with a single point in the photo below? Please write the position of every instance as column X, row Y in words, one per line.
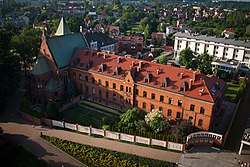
column 123, row 82
column 99, row 41
column 128, row 44
column 224, row 51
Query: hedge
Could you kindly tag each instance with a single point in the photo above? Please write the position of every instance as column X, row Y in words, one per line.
column 93, row 156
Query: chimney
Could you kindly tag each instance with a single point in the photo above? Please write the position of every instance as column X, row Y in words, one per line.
column 140, row 64
column 80, row 28
column 194, row 75
column 201, row 91
column 104, row 56
column 118, row 59
column 157, row 71
column 131, row 67
column 133, row 63
column 190, row 84
column 181, row 75
column 98, row 54
column 138, row 69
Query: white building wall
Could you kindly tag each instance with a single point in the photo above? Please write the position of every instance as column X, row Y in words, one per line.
column 175, row 44
column 230, row 53
column 220, row 52
column 241, row 54
column 201, row 48
column 192, row 45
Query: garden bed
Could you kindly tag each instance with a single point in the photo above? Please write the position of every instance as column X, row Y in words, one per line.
column 93, row 156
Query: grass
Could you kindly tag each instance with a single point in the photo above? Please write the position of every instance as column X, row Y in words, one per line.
column 83, row 116
column 96, row 107
column 231, row 91
column 19, row 157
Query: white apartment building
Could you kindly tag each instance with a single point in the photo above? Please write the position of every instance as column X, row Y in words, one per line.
column 226, row 52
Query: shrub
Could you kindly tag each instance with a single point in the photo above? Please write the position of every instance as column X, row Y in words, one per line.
column 93, row 156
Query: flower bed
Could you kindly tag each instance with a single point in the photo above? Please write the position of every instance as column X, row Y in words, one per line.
column 93, row 156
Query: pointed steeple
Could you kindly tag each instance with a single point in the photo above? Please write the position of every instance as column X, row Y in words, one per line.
column 63, row 28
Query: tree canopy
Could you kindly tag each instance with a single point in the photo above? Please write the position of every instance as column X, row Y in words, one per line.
column 163, row 59
column 9, row 67
column 186, row 58
column 156, row 121
column 26, row 45
column 51, row 110
column 130, row 118
column 205, row 65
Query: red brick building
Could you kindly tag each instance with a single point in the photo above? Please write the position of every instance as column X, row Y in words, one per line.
column 128, row 44
column 124, row 82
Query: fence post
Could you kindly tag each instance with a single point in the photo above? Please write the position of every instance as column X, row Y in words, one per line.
column 76, row 127
column 104, row 133
column 90, row 130
column 135, row 138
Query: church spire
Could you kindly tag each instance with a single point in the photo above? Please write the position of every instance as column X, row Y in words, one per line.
column 63, row 28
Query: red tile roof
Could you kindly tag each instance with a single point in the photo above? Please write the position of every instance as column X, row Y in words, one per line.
column 128, row 38
column 210, row 87
column 158, row 35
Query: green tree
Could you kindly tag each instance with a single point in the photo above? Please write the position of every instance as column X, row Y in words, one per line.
column 26, row 45
column 143, row 23
column 24, row 104
column 163, row 59
column 156, row 121
column 182, row 129
column 146, row 32
column 186, row 58
column 9, row 66
column 51, row 110
column 130, row 118
column 248, row 30
column 205, row 65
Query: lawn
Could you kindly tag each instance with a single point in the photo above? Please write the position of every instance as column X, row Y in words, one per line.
column 19, row 157
column 231, row 91
column 83, row 116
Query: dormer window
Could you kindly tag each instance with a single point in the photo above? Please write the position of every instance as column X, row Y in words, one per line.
column 165, row 82
column 102, row 67
column 117, row 70
column 183, row 86
column 147, row 78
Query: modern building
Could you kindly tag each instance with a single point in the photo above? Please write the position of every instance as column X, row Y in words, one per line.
column 99, row 41
column 128, row 44
column 227, row 51
column 123, row 82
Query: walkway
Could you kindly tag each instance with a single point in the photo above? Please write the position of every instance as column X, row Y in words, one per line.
column 27, row 130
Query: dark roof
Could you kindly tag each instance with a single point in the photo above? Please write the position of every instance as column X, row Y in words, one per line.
column 41, row 66
column 101, row 38
column 213, row 39
column 52, row 85
column 63, row 47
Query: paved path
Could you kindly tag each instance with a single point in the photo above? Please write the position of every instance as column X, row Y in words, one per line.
column 27, row 130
